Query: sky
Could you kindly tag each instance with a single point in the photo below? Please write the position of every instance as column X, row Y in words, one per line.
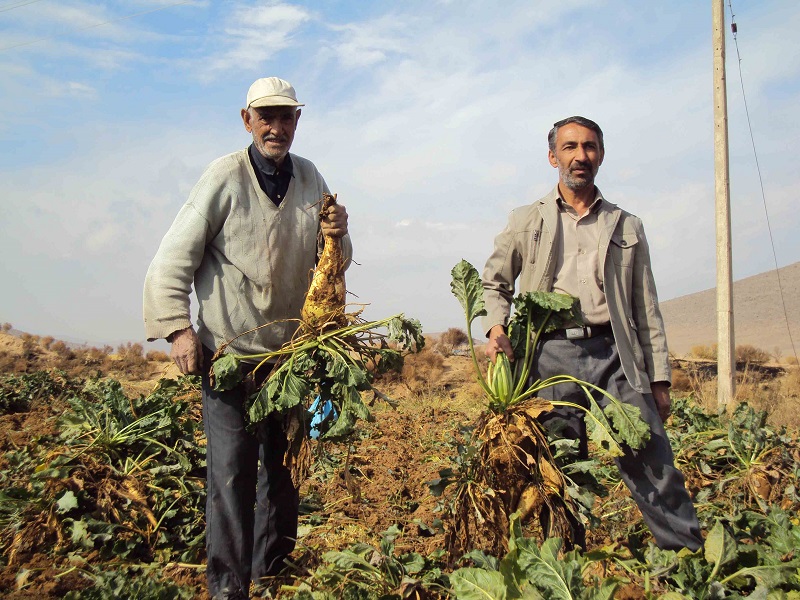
column 428, row 118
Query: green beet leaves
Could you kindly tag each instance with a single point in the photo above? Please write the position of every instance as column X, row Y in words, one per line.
column 225, row 372
column 468, row 290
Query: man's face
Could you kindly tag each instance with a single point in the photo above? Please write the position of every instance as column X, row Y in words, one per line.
column 577, row 156
column 273, row 129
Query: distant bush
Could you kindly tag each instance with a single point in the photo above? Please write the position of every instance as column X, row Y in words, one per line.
column 750, row 354
column 704, row 352
column 423, row 370
column 28, row 343
column 60, row 348
column 681, row 381
column 131, row 360
column 454, row 337
column 450, row 340
column 92, row 357
column 158, row 356
column 7, row 327
column 47, row 341
column 744, row 353
column 11, row 363
column 791, row 384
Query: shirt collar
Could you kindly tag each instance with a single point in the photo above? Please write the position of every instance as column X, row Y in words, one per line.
column 267, row 166
column 595, row 206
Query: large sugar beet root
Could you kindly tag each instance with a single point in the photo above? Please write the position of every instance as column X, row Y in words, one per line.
column 325, row 299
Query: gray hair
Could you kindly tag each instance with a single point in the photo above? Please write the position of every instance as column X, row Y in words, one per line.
column 583, row 122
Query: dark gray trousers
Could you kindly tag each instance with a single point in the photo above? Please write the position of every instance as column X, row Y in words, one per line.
column 252, row 505
column 656, row 485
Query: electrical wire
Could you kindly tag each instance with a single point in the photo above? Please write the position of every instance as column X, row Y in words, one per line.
column 18, row 5
column 139, row 14
column 734, row 31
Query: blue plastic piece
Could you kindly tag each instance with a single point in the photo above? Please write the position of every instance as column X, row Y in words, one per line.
column 322, row 411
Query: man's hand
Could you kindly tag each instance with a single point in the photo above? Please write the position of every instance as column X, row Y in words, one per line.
column 660, row 391
column 334, row 222
column 499, row 342
column 187, row 352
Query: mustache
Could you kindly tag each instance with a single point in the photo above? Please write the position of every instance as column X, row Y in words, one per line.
column 275, row 138
column 580, row 165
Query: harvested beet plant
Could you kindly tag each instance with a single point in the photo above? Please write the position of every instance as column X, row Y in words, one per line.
column 508, row 467
column 318, row 377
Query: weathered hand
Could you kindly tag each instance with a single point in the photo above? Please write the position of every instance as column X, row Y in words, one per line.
column 660, row 391
column 334, row 223
column 187, row 352
column 499, row 342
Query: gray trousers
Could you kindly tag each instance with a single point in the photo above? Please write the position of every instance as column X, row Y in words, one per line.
column 251, row 505
column 656, row 485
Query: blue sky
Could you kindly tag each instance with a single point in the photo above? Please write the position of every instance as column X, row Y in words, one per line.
column 428, row 118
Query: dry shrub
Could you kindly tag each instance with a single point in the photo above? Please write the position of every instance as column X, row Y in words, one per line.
column 131, row 360
column 791, row 383
column 92, row 357
column 62, row 350
column 47, row 341
column 703, row 385
column 704, row 352
column 778, row 396
column 750, row 354
column 451, row 339
column 158, row 356
column 790, row 360
column 7, row 327
column 28, row 343
column 423, row 371
column 12, row 363
column 455, row 337
column 681, row 381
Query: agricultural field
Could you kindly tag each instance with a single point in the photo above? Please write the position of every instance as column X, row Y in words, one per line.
column 102, row 490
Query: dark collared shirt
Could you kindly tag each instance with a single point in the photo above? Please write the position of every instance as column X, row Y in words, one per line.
column 274, row 181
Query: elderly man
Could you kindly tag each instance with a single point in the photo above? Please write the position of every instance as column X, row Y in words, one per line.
column 247, row 238
column 576, row 242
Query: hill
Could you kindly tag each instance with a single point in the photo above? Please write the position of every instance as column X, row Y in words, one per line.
column 758, row 314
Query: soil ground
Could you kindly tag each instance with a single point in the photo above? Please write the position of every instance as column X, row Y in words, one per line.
column 356, row 491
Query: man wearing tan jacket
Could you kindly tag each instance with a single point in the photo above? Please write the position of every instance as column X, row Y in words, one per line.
column 574, row 241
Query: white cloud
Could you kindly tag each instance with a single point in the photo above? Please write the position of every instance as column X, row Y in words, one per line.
column 252, row 35
column 360, row 45
column 428, row 120
column 74, row 88
column 447, row 226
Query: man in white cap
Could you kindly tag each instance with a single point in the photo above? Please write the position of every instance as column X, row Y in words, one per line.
column 247, row 239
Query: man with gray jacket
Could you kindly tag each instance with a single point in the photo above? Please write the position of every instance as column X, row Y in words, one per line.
column 575, row 242
column 247, row 239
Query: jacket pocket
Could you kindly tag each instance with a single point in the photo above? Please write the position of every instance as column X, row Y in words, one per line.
column 623, row 248
column 534, row 240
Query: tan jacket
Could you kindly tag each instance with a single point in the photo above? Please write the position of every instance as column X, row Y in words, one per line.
column 250, row 261
column 524, row 250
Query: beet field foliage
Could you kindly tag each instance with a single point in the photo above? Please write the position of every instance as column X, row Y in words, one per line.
column 117, row 481
column 104, row 498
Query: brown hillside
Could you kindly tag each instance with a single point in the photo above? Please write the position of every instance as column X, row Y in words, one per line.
column 758, row 314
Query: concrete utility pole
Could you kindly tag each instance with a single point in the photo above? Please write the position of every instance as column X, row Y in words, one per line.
column 726, row 359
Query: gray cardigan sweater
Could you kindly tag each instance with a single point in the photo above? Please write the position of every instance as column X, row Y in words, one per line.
column 249, row 260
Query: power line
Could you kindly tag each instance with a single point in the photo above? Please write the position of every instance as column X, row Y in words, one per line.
column 734, row 31
column 18, row 5
column 139, row 14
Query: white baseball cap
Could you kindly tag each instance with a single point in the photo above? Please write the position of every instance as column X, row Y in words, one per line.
column 271, row 91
